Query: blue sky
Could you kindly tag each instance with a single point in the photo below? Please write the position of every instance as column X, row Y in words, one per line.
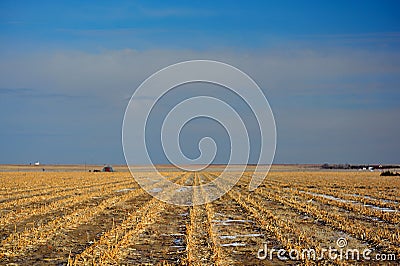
column 330, row 70
column 93, row 26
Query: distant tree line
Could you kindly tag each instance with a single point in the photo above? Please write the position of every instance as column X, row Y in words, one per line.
column 357, row 166
column 389, row 173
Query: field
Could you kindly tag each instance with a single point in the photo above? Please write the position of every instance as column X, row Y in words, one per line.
column 82, row 218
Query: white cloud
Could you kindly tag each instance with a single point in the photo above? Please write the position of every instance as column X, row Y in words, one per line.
column 120, row 71
column 113, row 75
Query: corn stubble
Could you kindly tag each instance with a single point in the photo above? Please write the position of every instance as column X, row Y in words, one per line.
column 76, row 218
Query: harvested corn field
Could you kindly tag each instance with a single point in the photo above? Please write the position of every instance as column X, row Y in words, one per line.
column 81, row 218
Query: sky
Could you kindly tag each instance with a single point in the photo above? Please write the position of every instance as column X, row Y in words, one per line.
column 329, row 69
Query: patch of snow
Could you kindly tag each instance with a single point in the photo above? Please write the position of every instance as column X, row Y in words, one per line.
column 181, row 189
column 351, row 201
column 236, row 236
column 380, row 208
column 234, row 244
column 156, row 189
column 230, row 221
column 175, row 234
column 371, row 198
column 329, row 197
column 125, row 190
